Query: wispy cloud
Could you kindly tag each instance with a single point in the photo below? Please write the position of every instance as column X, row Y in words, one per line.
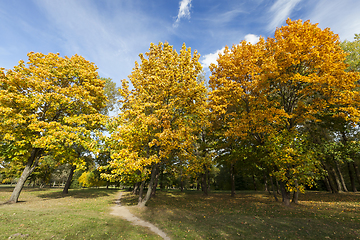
column 184, row 11
column 280, row 10
column 252, row 38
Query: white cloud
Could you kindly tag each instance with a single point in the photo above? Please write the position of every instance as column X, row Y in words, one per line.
column 252, row 38
column 280, row 10
column 211, row 58
column 184, row 11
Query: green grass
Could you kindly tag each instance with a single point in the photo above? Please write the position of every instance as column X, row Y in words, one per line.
column 85, row 214
column 253, row 215
column 82, row 214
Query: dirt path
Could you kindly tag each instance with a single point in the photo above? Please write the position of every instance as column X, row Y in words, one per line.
column 124, row 212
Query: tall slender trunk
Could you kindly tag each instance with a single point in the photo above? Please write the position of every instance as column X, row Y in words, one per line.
column 161, row 178
column 141, row 191
column 136, row 188
column 277, row 186
column 150, row 186
column 31, row 164
column 296, row 193
column 341, row 176
column 286, row 195
column 68, row 181
column 357, row 172
column 204, row 186
column 337, row 180
column 273, row 189
column 232, row 175
column 352, row 178
column 267, row 189
column 155, row 182
column 254, row 182
column 327, row 184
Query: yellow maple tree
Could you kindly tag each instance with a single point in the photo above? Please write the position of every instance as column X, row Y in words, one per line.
column 48, row 105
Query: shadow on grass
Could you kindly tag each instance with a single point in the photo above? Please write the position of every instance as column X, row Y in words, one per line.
column 80, row 193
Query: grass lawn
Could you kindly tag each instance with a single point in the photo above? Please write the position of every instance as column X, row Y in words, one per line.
column 252, row 215
column 82, row 214
column 85, row 214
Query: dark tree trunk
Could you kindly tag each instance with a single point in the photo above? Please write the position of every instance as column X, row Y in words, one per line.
column 150, row 187
column 155, row 182
column 141, row 191
column 357, row 172
column 273, row 189
column 29, row 168
column 267, row 189
column 197, row 184
column 136, row 188
column 277, row 186
column 337, row 180
column 68, row 181
column 232, row 175
column 286, row 195
column 341, row 176
column 204, row 186
column 296, row 193
column 254, row 182
column 161, row 178
column 327, row 184
column 352, row 178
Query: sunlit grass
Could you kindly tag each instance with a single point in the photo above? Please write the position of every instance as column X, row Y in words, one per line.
column 82, row 214
column 253, row 215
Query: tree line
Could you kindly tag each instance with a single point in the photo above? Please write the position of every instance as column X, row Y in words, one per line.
column 284, row 110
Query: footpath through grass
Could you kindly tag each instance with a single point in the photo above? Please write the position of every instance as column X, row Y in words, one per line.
column 252, row 215
column 82, row 214
column 85, row 214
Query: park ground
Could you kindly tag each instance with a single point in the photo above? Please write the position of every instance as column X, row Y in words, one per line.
column 44, row 213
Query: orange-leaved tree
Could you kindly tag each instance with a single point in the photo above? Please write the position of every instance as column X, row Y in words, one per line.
column 47, row 106
column 160, row 117
column 266, row 92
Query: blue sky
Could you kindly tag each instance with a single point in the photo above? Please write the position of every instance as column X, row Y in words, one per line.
column 112, row 33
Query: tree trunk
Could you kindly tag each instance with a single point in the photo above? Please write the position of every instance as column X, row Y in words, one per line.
column 273, row 189
column 136, row 188
column 357, row 173
column 155, row 182
column 204, row 186
column 150, row 187
column 352, row 178
column 277, row 186
column 68, row 181
column 341, row 176
column 327, row 184
column 337, row 181
column 141, row 191
column 197, row 184
column 161, row 178
column 29, row 168
column 267, row 189
column 286, row 195
column 232, row 175
column 254, row 182
column 296, row 193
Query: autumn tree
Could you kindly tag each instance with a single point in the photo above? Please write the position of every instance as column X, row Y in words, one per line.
column 160, row 117
column 47, row 106
column 273, row 88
